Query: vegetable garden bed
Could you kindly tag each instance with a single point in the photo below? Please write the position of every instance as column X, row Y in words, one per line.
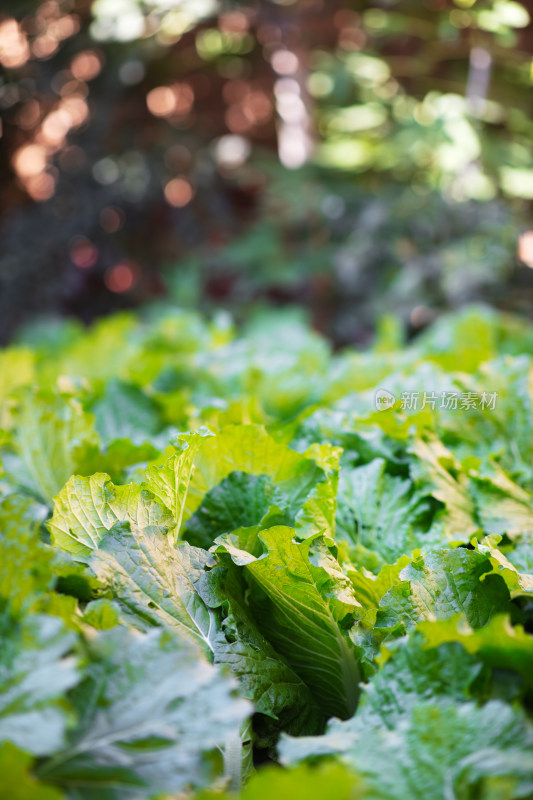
column 222, row 549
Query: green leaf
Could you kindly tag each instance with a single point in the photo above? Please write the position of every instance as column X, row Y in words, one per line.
column 461, row 341
column 35, row 673
column 276, row 690
column 101, row 353
column 154, row 715
column 165, row 585
column 521, row 556
column 414, row 673
column 87, row 508
column 433, row 755
column 122, row 457
column 439, row 473
column 324, row 782
column 433, row 751
column 444, row 583
column 53, row 439
column 517, row 582
column 125, row 412
column 238, row 501
column 249, row 448
column 369, row 588
column 102, row 614
column 304, row 612
column 317, row 515
column 381, row 512
column 26, row 564
column 503, row 506
column 363, row 600
column 302, row 783
column 155, row 580
column 512, row 417
column 170, row 483
column 17, row 781
column 17, row 368
column 498, row 644
column 183, row 481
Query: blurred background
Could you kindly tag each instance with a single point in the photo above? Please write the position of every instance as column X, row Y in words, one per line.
column 355, row 158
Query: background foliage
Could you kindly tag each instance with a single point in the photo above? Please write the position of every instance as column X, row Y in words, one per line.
column 351, row 157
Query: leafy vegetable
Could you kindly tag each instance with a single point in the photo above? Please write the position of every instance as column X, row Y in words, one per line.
column 303, row 611
column 87, row 508
column 35, row 673
column 17, row 782
column 150, row 712
column 206, row 565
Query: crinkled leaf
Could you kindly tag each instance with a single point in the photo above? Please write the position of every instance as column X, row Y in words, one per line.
column 155, row 580
column 304, row 612
column 521, row 556
column 264, row 676
column 238, row 501
column 498, row 644
column 438, row 472
column 249, row 448
column 53, row 439
column 170, row 482
column 430, row 752
column 414, row 673
column 35, row 673
column 444, row 583
column 87, row 508
column 165, row 585
column 370, row 588
column 153, row 713
column 503, row 506
column 125, row 412
column 317, row 515
column 380, row 511
column 517, row 581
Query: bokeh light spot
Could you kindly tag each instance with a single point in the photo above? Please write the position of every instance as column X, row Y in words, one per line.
column 525, row 248
column 30, row 160
column 86, row 65
column 122, row 277
column 14, row 48
column 83, row 254
column 232, row 151
column 284, row 62
column 179, row 192
column 161, row 101
column 234, row 22
column 132, row 72
column 55, row 127
column 111, row 219
column 167, row 101
column 77, row 108
column 29, row 115
column 106, row 171
column 40, row 187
